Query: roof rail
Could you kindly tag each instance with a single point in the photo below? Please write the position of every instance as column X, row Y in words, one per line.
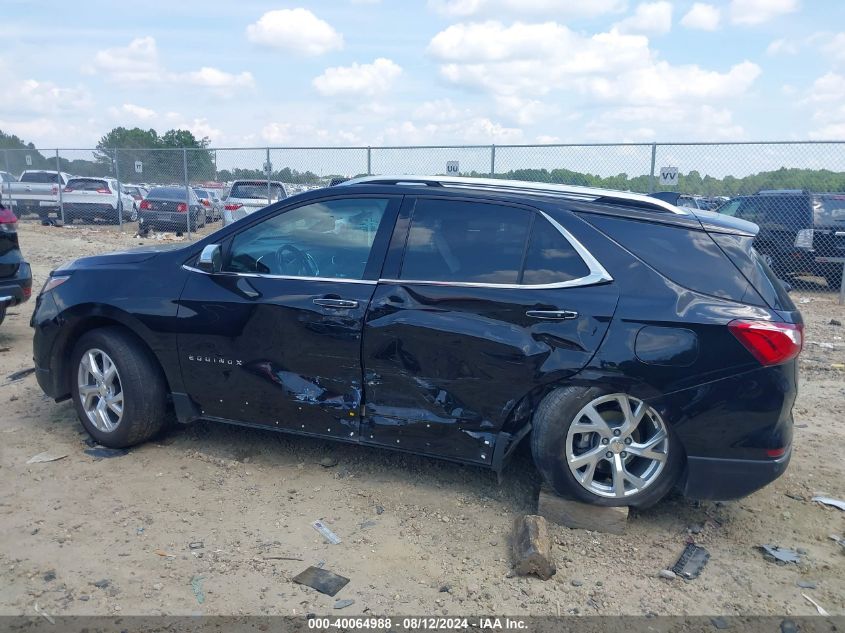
column 574, row 192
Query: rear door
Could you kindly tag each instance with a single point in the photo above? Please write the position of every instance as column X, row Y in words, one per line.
column 480, row 304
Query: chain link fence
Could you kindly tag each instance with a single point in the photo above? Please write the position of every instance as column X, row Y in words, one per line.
column 795, row 191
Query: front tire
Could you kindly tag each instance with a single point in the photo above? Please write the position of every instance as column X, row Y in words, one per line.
column 117, row 387
column 604, row 449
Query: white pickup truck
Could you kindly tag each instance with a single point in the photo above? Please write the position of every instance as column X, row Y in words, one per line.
column 37, row 191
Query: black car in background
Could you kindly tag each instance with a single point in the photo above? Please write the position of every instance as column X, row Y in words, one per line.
column 15, row 273
column 638, row 345
column 800, row 232
column 171, row 208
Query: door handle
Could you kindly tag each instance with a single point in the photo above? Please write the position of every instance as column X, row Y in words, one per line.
column 340, row 304
column 552, row 315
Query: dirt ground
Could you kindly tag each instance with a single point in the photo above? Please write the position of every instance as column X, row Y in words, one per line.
column 83, row 535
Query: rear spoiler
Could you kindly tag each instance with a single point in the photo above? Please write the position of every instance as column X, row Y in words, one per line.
column 719, row 223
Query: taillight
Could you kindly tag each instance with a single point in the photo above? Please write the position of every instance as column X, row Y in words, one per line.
column 27, row 292
column 103, row 191
column 53, row 282
column 769, row 342
column 181, row 207
column 67, row 189
column 804, row 239
column 54, row 189
column 146, row 204
column 206, row 203
column 233, row 207
column 7, row 219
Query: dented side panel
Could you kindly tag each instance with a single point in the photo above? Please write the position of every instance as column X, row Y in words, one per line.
column 259, row 350
column 445, row 366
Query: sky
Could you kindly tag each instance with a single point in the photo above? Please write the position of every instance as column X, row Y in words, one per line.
column 424, row 72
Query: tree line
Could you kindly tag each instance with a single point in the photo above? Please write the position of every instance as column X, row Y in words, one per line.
column 163, row 163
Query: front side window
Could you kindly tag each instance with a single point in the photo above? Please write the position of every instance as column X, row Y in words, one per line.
column 332, row 238
column 465, row 242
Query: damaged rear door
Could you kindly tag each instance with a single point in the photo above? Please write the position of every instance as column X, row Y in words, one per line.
column 275, row 338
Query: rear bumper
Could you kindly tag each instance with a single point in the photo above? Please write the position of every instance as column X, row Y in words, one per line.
column 16, row 289
column 161, row 218
column 724, row 479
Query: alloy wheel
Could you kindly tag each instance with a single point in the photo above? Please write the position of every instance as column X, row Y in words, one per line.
column 617, row 446
column 100, row 390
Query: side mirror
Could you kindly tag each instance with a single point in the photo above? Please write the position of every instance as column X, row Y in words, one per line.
column 211, row 259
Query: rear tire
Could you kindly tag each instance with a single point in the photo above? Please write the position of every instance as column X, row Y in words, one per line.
column 576, row 428
column 130, row 406
column 833, row 279
column 2, row 313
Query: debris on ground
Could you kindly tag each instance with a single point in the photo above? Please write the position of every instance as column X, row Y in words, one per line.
column 196, row 545
column 46, row 456
column 44, row 614
column 101, row 452
column 807, row 584
column 532, row 547
column 781, row 554
column 102, row 584
column 818, row 607
column 691, row 562
column 838, row 539
column 164, row 554
column 720, row 623
column 830, row 501
column 342, row 604
column 18, row 375
column 323, row 529
column 835, row 322
column 322, row 580
column 667, row 574
column 196, row 587
column 328, row 462
column 49, row 576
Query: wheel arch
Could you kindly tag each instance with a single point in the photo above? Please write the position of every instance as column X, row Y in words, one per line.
column 92, row 317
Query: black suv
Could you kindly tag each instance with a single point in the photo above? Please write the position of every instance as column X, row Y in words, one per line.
column 638, row 344
column 15, row 273
column 800, row 232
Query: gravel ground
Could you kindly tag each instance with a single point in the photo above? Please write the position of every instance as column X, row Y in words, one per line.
column 104, row 536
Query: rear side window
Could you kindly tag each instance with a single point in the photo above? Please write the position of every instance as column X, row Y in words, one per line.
column 257, row 190
column 39, row 176
column 689, row 258
column 830, row 210
column 458, row 241
column 550, row 258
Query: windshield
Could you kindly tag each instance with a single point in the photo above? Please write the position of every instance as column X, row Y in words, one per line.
column 167, row 193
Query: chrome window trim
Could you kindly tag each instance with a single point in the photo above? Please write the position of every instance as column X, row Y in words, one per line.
column 343, row 280
column 597, row 273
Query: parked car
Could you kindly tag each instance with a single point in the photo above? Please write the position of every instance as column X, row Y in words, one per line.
column 37, row 191
column 247, row 196
column 800, row 232
column 170, row 208
column 92, row 199
column 212, row 203
column 703, row 203
column 15, row 273
column 451, row 317
column 138, row 192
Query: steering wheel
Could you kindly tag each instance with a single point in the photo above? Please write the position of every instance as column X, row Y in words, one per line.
column 293, row 261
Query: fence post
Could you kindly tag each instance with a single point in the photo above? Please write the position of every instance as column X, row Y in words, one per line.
column 492, row 160
column 653, row 159
column 59, row 186
column 267, row 171
column 187, row 190
column 10, row 201
column 369, row 160
column 119, row 192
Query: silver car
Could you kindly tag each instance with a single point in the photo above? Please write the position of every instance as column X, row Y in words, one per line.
column 247, row 196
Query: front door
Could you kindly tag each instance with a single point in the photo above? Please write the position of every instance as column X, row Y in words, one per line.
column 275, row 338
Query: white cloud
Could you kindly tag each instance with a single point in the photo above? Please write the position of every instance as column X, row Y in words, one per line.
column 828, row 87
column 44, row 97
column 139, row 63
column 358, row 79
column 835, row 48
column 536, row 59
column 752, row 12
column 201, row 128
column 473, row 129
column 686, row 120
column 648, row 17
column 523, row 111
column 220, row 81
column 132, row 111
column 560, row 9
column 295, row 30
column 704, row 17
column 782, row 47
